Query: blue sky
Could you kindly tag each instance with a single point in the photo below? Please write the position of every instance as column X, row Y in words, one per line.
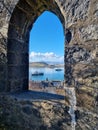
column 47, row 39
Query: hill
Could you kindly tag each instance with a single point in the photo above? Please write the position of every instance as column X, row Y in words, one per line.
column 44, row 64
column 38, row 64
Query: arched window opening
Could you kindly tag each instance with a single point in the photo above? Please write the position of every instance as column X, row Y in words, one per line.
column 46, row 54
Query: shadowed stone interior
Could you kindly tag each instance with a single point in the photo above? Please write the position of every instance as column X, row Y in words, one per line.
column 21, row 22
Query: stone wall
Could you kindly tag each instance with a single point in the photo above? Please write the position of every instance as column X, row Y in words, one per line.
column 82, row 50
column 78, row 17
column 6, row 8
column 81, row 53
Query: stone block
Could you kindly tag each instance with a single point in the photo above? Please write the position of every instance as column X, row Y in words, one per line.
column 17, row 46
column 25, row 58
column 2, row 85
column 26, row 7
column 17, row 72
column 89, row 33
column 18, row 58
column 25, row 83
column 14, row 85
column 13, row 58
column 17, row 85
column 25, row 71
column 17, row 20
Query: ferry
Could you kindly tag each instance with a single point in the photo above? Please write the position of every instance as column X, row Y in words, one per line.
column 58, row 69
column 38, row 73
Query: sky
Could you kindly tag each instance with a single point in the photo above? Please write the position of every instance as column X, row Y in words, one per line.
column 47, row 39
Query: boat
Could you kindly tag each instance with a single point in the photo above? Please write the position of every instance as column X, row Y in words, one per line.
column 58, row 69
column 38, row 73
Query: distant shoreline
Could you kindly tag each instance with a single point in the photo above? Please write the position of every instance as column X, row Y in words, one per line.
column 44, row 64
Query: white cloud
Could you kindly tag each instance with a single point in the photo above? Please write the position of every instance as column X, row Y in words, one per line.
column 47, row 57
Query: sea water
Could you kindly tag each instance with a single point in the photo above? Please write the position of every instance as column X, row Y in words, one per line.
column 49, row 73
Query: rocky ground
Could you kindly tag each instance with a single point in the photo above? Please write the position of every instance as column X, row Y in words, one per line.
column 34, row 110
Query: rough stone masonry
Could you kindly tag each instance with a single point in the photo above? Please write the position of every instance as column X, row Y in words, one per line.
column 80, row 18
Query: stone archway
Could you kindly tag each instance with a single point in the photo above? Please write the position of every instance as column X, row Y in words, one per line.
column 16, row 21
column 81, row 55
column 21, row 22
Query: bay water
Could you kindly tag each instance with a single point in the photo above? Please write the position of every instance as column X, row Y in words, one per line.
column 49, row 73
